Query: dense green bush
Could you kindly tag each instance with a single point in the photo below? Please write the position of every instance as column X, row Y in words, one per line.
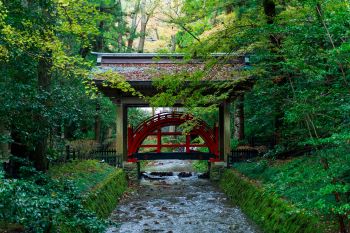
column 72, row 198
column 42, row 204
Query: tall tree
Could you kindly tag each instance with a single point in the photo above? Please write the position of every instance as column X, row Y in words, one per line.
column 44, row 41
column 134, row 24
column 147, row 9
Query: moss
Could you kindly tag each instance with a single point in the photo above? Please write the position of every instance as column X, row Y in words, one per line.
column 103, row 198
column 266, row 209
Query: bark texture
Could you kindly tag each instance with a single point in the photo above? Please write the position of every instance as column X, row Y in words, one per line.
column 239, row 118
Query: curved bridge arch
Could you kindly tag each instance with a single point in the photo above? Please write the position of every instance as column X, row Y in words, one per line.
column 153, row 125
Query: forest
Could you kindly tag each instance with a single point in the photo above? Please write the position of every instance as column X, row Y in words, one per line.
column 297, row 54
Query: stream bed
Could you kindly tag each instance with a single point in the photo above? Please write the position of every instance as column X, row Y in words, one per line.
column 177, row 202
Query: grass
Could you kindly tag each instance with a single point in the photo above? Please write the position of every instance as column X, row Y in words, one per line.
column 85, row 174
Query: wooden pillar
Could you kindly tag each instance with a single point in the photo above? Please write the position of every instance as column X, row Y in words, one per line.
column 239, row 118
column 188, row 142
column 159, row 140
column 224, row 130
column 121, row 130
column 172, row 128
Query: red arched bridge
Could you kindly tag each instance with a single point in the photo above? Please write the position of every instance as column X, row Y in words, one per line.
column 153, row 127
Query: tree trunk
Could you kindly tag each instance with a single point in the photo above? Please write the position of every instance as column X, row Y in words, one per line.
column 239, row 118
column 229, row 8
column 18, row 149
column 38, row 156
column 84, row 51
column 109, row 133
column 270, row 13
column 98, row 45
column 157, row 33
column 121, row 25
column 269, row 10
column 144, row 21
column 133, row 27
column 173, row 43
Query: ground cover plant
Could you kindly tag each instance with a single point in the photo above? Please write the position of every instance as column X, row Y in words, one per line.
column 39, row 203
column 85, row 174
column 306, row 183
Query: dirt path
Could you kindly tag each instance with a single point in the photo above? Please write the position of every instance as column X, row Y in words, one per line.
column 176, row 204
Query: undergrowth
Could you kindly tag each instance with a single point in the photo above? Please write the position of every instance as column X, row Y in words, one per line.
column 305, row 182
column 39, row 203
column 85, row 174
column 73, row 197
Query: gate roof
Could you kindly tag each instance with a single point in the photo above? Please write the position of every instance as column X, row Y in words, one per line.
column 139, row 69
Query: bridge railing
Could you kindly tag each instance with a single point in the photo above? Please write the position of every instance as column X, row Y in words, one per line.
column 157, row 117
column 153, row 125
column 240, row 155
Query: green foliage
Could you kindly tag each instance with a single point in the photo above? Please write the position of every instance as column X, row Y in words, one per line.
column 209, row 115
column 68, row 199
column 137, row 115
column 46, row 91
column 298, row 58
column 200, row 165
column 43, row 204
column 306, row 177
column 84, row 174
column 265, row 208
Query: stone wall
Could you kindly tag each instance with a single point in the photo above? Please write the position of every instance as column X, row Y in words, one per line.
column 216, row 170
column 132, row 170
column 273, row 214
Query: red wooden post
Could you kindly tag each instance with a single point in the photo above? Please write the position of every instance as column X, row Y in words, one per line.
column 188, row 141
column 159, row 140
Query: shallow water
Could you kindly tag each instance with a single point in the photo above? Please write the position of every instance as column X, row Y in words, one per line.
column 177, row 205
